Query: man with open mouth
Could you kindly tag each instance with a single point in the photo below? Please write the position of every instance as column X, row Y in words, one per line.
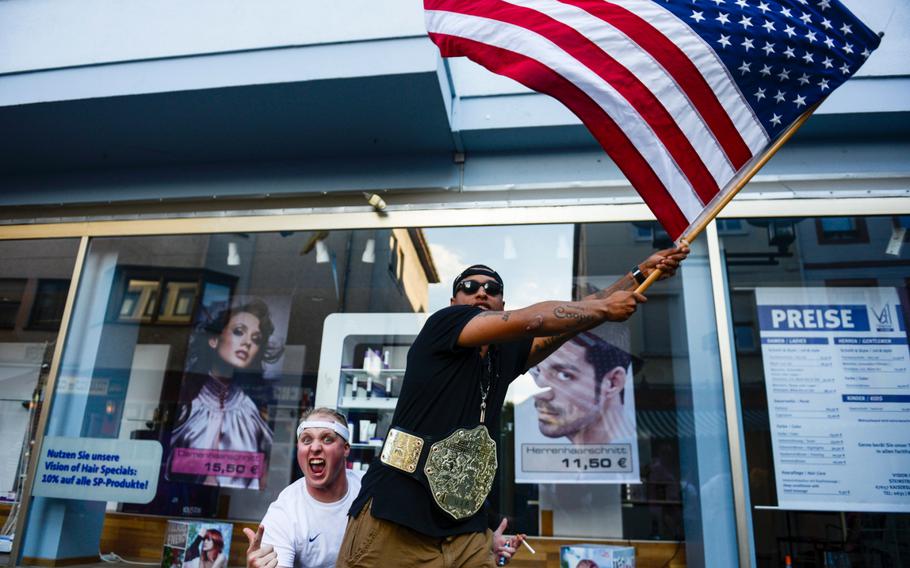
column 305, row 525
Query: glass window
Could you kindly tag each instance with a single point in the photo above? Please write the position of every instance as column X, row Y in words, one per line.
column 206, row 348
column 841, row 230
column 164, row 326
column 11, row 290
column 819, row 311
column 34, row 281
column 638, row 454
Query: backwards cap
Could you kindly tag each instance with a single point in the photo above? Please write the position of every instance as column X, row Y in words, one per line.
column 476, row 270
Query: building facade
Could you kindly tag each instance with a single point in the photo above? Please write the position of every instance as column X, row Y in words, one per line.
column 163, row 161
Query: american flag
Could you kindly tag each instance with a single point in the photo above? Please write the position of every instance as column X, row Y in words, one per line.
column 682, row 94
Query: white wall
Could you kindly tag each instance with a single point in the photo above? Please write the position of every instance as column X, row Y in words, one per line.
column 49, row 34
column 893, row 18
column 46, row 34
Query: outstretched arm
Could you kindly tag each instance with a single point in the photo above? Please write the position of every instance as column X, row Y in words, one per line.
column 554, row 320
column 548, row 319
column 667, row 260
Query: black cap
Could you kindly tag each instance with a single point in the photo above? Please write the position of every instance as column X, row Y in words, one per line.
column 476, row 270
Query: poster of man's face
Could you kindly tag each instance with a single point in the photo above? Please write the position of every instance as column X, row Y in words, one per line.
column 584, row 400
column 585, row 381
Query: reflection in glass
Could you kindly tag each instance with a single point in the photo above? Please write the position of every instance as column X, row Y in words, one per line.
column 669, row 491
column 150, row 359
column 50, row 300
column 178, row 302
column 11, row 290
column 34, row 282
column 796, row 420
column 139, row 300
column 166, row 346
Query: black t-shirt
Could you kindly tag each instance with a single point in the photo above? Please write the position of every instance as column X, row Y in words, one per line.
column 440, row 393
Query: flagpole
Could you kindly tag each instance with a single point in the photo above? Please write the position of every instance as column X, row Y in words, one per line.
column 695, row 230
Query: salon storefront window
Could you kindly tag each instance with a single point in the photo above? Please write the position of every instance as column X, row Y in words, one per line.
column 617, row 437
column 186, row 366
column 34, row 281
column 819, row 309
column 189, row 359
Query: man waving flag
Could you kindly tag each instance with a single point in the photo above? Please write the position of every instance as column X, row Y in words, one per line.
column 684, row 95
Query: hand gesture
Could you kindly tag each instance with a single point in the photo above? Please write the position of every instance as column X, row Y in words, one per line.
column 666, row 260
column 257, row 554
column 505, row 546
column 621, row 305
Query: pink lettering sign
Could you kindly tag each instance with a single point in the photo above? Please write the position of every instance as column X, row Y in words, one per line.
column 218, row 462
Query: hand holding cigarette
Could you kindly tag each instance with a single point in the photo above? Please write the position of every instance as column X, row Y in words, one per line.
column 504, row 547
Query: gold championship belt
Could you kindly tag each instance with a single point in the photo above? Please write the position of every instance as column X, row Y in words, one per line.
column 401, row 450
column 459, row 469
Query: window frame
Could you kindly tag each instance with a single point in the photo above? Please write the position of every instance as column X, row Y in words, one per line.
column 454, row 217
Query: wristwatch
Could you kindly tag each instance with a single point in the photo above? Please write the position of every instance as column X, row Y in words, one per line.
column 638, row 275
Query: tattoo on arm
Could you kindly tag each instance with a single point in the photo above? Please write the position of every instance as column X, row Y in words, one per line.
column 504, row 316
column 570, row 312
column 535, row 323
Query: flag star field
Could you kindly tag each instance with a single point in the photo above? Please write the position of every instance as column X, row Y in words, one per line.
column 683, row 95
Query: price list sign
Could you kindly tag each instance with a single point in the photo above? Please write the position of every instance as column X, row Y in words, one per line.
column 837, row 375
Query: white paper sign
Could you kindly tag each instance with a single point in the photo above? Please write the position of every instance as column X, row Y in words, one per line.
column 837, row 374
column 98, row 469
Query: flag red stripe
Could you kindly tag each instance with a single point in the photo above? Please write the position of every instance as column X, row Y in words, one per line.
column 614, row 141
column 625, row 82
column 681, row 68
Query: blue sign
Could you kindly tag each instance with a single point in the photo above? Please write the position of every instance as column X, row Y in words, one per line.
column 813, row 318
column 870, row 341
column 98, row 469
column 794, row 340
column 894, row 398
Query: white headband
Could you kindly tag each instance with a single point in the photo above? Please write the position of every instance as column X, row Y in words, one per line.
column 338, row 428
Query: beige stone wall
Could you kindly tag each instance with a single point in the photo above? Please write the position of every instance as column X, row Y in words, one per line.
column 410, row 272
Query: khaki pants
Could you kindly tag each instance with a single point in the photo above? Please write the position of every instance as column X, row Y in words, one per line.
column 370, row 542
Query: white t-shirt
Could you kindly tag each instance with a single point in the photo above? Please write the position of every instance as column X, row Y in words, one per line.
column 305, row 532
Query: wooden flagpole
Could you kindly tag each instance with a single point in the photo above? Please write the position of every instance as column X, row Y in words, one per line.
column 699, row 227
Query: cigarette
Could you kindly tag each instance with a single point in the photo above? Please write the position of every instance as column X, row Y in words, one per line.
column 524, row 542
